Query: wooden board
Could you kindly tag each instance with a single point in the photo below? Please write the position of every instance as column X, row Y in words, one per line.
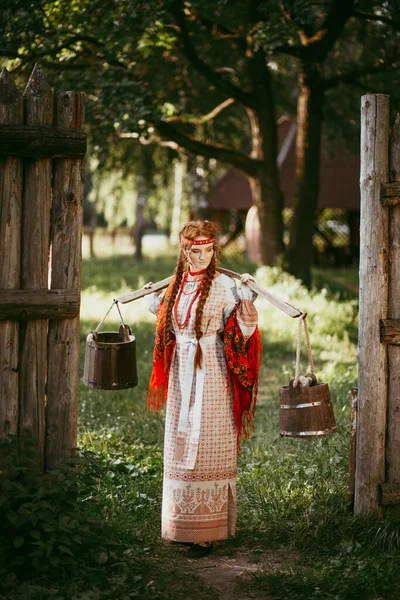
column 38, row 304
column 42, row 142
column 262, row 292
column 389, row 331
column 393, row 323
column 63, row 337
column 38, row 104
column 390, row 192
column 372, row 356
column 11, row 111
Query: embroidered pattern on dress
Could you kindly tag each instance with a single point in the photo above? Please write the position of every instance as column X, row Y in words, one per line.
column 200, row 504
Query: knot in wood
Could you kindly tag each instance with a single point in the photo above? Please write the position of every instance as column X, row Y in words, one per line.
column 70, row 196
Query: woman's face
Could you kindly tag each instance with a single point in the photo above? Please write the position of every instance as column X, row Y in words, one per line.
column 200, row 255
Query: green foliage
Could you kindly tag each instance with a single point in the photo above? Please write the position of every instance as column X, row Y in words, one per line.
column 291, row 493
column 43, row 526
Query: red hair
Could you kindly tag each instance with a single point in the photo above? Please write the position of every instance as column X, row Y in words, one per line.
column 191, row 231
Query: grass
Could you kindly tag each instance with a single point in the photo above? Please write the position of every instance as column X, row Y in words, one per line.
column 291, row 493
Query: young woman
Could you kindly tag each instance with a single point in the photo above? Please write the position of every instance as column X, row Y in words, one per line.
column 206, row 360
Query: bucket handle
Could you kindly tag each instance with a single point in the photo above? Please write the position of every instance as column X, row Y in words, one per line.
column 303, row 319
column 95, row 331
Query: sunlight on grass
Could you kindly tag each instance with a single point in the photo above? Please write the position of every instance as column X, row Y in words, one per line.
column 291, row 493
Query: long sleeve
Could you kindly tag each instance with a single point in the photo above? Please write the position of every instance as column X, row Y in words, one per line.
column 242, row 298
column 247, row 315
column 153, row 301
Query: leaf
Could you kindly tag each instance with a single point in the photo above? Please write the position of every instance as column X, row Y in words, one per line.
column 12, row 517
column 102, row 558
column 65, row 550
column 18, row 541
column 35, row 534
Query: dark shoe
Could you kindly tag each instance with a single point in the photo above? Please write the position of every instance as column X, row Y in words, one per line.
column 182, row 543
column 197, row 551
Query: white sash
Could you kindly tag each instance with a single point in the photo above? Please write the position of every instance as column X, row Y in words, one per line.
column 186, row 389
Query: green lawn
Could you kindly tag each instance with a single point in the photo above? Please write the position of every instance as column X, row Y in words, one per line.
column 291, row 493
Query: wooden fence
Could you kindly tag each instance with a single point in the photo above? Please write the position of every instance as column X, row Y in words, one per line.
column 42, row 145
column 377, row 452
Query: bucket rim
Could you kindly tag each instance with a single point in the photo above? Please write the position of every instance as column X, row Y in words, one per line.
column 90, row 338
column 286, row 387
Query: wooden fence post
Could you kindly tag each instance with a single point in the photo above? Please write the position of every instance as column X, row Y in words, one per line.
column 39, row 327
column 352, row 456
column 63, row 338
column 11, row 113
column 372, row 385
column 38, row 101
column 393, row 429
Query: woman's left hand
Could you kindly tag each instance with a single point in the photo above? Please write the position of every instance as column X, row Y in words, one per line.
column 247, row 277
column 247, row 293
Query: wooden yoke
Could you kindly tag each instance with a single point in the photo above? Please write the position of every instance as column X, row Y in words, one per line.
column 160, row 285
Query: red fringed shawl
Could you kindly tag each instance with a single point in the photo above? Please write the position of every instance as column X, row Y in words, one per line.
column 162, row 356
column 243, row 359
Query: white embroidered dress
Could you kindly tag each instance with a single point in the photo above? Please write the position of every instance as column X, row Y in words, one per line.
column 199, row 489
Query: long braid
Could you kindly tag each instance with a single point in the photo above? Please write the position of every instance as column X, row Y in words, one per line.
column 190, row 231
column 205, row 289
column 180, row 267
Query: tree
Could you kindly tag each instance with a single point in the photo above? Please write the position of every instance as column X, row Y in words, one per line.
column 329, row 45
column 153, row 56
column 144, row 73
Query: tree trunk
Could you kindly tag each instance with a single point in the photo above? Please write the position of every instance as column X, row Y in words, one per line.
column 265, row 186
column 179, row 176
column 197, row 184
column 143, row 181
column 308, row 141
column 139, row 227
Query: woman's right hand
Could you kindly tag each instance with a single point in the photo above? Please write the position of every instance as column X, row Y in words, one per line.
column 149, row 285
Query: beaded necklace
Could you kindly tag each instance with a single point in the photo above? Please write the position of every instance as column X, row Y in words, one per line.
column 181, row 291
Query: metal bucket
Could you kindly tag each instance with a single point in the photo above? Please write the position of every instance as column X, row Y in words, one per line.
column 110, row 360
column 306, row 412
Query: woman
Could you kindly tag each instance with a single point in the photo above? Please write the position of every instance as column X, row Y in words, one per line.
column 206, row 361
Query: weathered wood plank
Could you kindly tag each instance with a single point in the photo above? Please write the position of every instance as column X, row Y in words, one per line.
column 38, row 103
column 39, row 304
column 63, row 338
column 353, row 433
column 262, row 292
column 42, row 142
column 389, row 493
column 389, row 331
column 393, row 325
column 372, row 385
column 390, row 192
column 11, row 111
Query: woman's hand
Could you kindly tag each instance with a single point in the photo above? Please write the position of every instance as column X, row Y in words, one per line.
column 149, row 285
column 247, row 293
column 247, row 277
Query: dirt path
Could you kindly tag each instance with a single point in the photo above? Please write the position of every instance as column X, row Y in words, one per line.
column 227, row 574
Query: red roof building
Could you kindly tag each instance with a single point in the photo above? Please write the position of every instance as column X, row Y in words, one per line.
column 339, row 189
column 339, row 180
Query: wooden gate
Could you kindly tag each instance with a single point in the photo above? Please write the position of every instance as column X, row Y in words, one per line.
column 42, row 145
column 377, row 453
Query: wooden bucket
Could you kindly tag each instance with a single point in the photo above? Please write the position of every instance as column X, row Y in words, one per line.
column 110, row 360
column 306, row 412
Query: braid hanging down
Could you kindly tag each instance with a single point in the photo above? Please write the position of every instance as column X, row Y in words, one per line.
column 190, row 231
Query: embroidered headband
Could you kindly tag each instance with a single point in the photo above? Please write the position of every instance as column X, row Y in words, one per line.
column 198, row 242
